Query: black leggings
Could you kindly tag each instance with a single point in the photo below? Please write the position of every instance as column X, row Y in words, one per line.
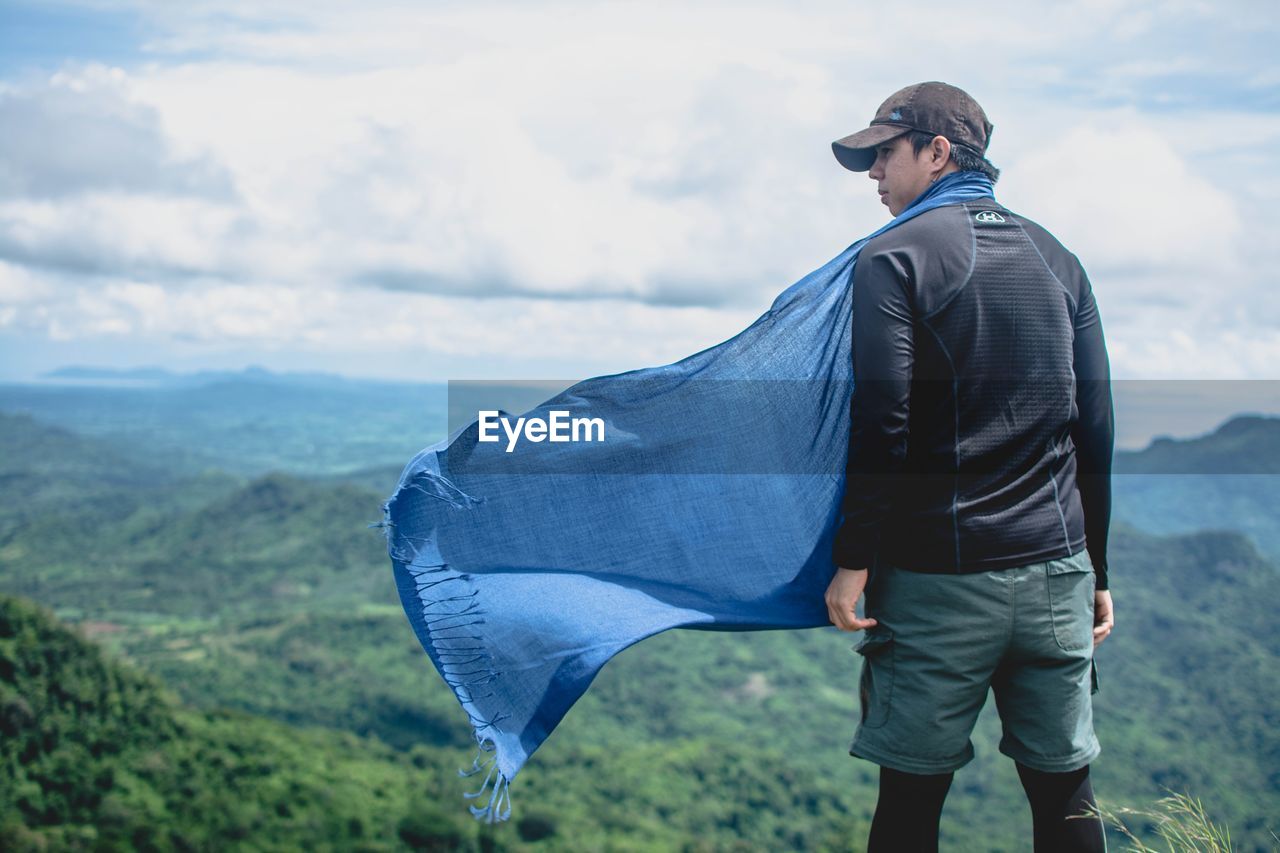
column 910, row 807
column 1054, row 797
column 907, row 812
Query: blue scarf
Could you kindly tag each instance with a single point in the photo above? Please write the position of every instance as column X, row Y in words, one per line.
column 706, row 496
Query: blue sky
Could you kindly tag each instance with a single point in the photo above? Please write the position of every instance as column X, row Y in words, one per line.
column 528, row 190
column 41, row 35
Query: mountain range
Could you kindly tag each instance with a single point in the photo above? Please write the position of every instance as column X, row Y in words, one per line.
column 257, row 603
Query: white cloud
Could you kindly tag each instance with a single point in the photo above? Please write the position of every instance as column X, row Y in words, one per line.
column 104, row 233
column 319, row 173
column 82, row 132
column 424, row 329
column 21, row 286
column 1129, row 199
column 1185, row 352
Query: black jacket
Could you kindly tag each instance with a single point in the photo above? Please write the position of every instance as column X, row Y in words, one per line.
column 982, row 430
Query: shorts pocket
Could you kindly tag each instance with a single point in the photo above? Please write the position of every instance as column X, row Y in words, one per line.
column 1071, row 608
column 875, row 684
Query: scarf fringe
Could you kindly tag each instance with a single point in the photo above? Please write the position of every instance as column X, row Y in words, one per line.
column 447, row 608
column 493, row 810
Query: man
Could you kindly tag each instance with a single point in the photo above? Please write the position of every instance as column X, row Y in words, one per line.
column 977, row 497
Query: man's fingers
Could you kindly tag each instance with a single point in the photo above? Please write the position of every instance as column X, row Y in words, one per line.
column 1102, row 630
column 847, row 620
column 842, row 597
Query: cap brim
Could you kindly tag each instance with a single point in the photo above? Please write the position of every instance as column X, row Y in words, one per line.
column 857, row 153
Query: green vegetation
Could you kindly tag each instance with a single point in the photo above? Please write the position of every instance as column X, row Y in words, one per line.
column 97, row 756
column 1181, row 822
column 300, row 710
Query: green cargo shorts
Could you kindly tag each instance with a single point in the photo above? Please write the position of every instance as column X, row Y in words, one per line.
column 943, row 639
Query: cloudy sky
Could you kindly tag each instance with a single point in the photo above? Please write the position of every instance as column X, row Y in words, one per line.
column 440, row 190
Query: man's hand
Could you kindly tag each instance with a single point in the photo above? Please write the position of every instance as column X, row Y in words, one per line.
column 1103, row 617
column 842, row 599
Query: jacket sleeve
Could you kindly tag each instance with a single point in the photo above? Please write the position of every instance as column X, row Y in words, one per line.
column 1093, row 433
column 883, row 353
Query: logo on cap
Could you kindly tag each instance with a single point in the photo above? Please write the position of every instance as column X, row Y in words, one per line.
column 989, row 216
column 895, row 116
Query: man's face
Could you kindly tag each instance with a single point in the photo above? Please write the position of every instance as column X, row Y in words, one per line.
column 900, row 174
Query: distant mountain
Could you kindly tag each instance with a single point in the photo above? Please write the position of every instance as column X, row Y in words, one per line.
column 31, row 447
column 59, row 490
column 1224, row 480
column 169, row 378
column 277, row 544
column 250, row 422
column 64, row 496
column 1249, row 444
column 80, row 373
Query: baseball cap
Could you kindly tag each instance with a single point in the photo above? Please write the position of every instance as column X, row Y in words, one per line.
column 933, row 107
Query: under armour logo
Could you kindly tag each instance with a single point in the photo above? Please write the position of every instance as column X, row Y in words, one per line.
column 989, row 216
column 895, row 116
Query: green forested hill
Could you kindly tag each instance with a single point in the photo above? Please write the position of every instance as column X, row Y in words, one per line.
column 269, row 596
column 170, row 543
column 97, row 756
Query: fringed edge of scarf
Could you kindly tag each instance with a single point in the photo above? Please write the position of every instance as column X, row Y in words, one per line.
column 447, row 607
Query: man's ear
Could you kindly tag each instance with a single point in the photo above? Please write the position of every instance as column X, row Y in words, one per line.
column 940, row 150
